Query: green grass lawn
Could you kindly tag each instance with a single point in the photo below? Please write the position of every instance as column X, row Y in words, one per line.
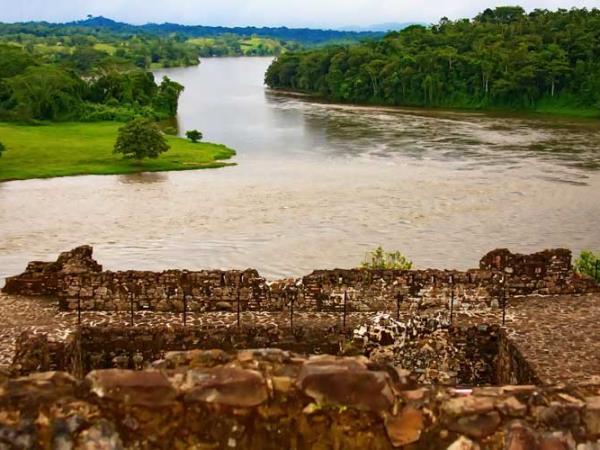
column 64, row 149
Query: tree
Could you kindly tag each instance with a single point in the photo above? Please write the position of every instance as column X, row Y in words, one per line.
column 46, row 92
column 194, row 136
column 140, row 139
column 85, row 58
column 14, row 61
column 167, row 97
column 2, row 148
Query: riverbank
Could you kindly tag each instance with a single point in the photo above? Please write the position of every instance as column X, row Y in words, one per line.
column 544, row 108
column 66, row 149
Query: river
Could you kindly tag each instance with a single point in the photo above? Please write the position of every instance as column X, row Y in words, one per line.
column 319, row 185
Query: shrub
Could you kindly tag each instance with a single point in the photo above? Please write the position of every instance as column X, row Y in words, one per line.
column 194, row 136
column 2, row 148
column 380, row 259
column 98, row 112
column 588, row 263
column 93, row 112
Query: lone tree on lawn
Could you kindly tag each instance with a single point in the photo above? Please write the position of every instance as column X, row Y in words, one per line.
column 194, row 136
column 140, row 139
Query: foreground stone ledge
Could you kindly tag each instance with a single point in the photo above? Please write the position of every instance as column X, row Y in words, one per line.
column 271, row 399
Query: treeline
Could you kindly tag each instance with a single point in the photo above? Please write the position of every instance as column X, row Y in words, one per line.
column 501, row 58
column 305, row 36
column 81, row 89
column 164, row 45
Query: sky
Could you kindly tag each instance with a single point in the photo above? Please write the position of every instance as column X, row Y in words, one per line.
column 292, row 13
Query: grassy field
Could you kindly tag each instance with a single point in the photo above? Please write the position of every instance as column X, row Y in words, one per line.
column 252, row 44
column 86, row 148
column 249, row 46
column 108, row 48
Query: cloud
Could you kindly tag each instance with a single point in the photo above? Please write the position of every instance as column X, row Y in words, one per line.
column 314, row 13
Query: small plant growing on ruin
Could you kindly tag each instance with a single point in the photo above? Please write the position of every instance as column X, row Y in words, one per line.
column 140, row 139
column 588, row 263
column 194, row 136
column 380, row 259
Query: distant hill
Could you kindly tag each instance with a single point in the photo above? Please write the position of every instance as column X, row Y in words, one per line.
column 302, row 35
column 381, row 27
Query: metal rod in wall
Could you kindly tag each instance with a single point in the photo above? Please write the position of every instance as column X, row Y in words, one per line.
column 291, row 300
column 239, row 308
column 451, row 299
column 79, row 307
column 131, row 309
column 185, row 296
column 345, row 309
column 504, row 301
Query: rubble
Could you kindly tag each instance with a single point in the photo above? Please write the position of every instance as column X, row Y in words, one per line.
column 421, row 344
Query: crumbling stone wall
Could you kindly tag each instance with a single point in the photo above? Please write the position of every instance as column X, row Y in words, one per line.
column 91, row 348
column 435, row 353
column 555, row 262
column 78, row 281
column 511, row 366
column 273, row 400
column 501, row 272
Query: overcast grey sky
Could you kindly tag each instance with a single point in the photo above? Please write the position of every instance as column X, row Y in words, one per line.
column 314, row 13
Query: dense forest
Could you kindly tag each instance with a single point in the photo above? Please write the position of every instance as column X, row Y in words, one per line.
column 506, row 58
column 86, row 86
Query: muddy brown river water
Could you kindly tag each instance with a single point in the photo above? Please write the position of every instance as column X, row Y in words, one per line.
column 318, row 185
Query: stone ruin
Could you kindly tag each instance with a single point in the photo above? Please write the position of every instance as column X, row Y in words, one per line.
column 350, row 359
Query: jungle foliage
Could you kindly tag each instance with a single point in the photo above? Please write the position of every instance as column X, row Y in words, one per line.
column 31, row 90
column 502, row 58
